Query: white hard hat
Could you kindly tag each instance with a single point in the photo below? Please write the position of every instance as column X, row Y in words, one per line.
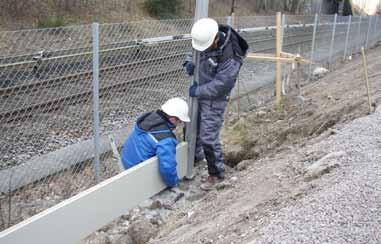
column 176, row 107
column 203, row 33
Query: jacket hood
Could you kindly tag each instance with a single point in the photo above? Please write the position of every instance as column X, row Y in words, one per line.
column 153, row 121
column 226, row 31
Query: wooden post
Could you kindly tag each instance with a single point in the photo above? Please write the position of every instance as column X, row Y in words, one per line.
column 366, row 78
column 278, row 82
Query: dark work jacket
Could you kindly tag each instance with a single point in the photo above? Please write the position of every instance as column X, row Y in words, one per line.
column 219, row 68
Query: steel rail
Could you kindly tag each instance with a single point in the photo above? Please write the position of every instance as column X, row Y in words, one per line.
column 51, row 105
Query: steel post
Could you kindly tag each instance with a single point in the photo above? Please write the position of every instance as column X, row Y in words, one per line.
column 375, row 35
column 358, row 38
column 96, row 122
column 347, row 37
column 229, row 20
column 367, row 34
column 332, row 40
column 191, row 130
column 283, row 26
column 278, row 81
column 313, row 44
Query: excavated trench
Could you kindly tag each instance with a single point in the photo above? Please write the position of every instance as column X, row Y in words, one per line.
column 270, row 130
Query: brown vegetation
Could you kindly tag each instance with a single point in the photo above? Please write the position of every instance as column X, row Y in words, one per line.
column 18, row 14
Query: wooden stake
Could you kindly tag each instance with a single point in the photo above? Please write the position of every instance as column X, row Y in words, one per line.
column 278, row 82
column 366, row 78
column 272, row 58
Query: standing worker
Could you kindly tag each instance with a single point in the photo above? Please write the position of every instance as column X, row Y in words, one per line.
column 153, row 136
column 222, row 52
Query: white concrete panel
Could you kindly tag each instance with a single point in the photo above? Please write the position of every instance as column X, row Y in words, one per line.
column 79, row 216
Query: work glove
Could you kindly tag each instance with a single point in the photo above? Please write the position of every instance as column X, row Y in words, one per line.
column 194, row 90
column 189, row 67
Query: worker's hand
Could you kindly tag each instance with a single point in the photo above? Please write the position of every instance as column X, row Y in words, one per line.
column 189, row 67
column 194, row 90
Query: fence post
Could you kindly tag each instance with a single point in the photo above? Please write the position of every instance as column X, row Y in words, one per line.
column 96, row 122
column 191, row 130
column 313, row 44
column 375, row 36
column 234, row 26
column 377, row 31
column 332, row 41
column 278, row 83
column 229, row 20
column 367, row 34
column 359, row 34
column 347, row 37
column 283, row 26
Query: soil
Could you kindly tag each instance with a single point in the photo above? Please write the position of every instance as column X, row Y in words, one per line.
column 267, row 151
column 279, row 159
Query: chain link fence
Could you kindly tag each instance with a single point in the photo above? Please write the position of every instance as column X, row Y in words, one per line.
column 46, row 89
column 45, row 75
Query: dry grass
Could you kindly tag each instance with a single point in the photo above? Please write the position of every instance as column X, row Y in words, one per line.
column 22, row 14
column 25, row 14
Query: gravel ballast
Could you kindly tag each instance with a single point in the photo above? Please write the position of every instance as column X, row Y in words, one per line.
column 346, row 207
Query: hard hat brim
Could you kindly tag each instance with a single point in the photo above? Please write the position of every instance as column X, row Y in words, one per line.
column 202, row 48
column 185, row 119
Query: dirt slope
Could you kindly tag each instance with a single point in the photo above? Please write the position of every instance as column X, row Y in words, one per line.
column 283, row 142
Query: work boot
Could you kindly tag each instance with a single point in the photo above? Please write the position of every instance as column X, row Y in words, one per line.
column 220, row 176
column 210, row 183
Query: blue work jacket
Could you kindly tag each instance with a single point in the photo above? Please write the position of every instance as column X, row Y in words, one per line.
column 153, row 136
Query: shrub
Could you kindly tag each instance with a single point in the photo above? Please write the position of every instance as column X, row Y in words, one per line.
column 163, row 8
column 51, row 22
column 347, row 8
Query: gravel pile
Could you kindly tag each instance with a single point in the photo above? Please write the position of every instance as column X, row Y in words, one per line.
column 346, row 206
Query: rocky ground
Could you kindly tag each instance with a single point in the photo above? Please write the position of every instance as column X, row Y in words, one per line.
column 305, row 172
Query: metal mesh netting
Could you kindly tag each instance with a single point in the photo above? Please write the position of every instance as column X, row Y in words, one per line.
column 46, row 92
column 353, row 38
column 254, row 84
column 45, row 112
column 144, row 74
column 323, row 39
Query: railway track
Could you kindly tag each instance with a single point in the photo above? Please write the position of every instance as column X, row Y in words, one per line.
column 12, row 74
column 54, row 104
column 49, row 83
column 136, row 66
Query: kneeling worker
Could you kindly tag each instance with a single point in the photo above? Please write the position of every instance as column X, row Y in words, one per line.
column 153, row 136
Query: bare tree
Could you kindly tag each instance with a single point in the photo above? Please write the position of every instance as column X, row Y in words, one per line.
column 378, row 10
